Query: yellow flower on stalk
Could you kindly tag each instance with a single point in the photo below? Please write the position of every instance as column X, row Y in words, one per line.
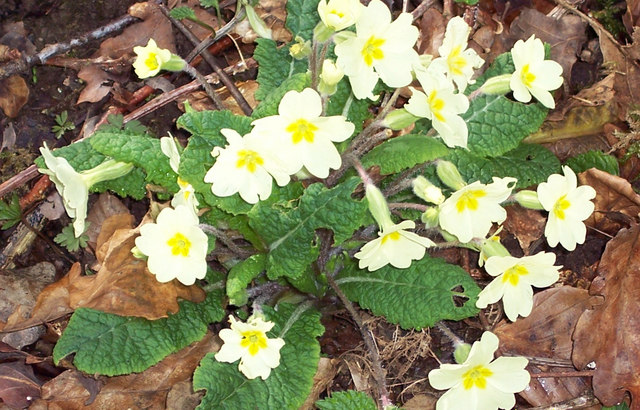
column 175, row 245
column 481, row 382
column 514, row 278
column 339, row 14
column 470, row 211
column 245, row 166
column 380, row 49
column 151, row 59
column 568, row 205
column 249, row 342
column 534, row 75
column 456, row 60
column 441, row 105
column 301, row 136
column 74, row 186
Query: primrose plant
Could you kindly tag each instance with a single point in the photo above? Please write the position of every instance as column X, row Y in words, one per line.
column 327, row 226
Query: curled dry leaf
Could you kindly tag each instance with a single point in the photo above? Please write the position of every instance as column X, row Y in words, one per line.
column 18, row 385
column 14, row 94
column 106, row 206
column 527, row 225
column 617, row 205
column 432, row 28
column 146, row 390
column 608, row 334
column 546, row 334
column 122, row 286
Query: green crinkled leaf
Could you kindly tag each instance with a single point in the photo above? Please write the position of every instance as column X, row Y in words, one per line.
column 10, row 212
column 497, row 125
column 416, row 297
column 270, row 104
column 302, row 17
column 358, row 110
column 196, row 158
column 109, row 344
column 241, row 275
column 183, row 12
column 347, row 400
column 594, row 159
column 275, row 66
column 290, row 230
column 82, row 156
column 288, row 384
column 224, row 220
column 404, row 152
column 529, row 163
column 140, row 150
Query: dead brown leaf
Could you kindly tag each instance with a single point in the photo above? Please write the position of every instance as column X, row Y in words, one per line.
column 123, row 285
column 527, row 225
column 106, row 206
column 566, row 35
column 327, row 370
column 617, row 205
column 18, row 385
column 609, row 334
column 432, row 27
column 546, row 334
column 14, row 94
column 146, row 390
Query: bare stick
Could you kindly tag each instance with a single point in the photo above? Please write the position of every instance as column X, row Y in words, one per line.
column 24, row 64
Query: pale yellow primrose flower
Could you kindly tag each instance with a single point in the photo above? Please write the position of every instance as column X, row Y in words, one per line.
column 248, row 342
column 441, row 105
column 151, row 59
column 380, row 49
column 394, row 246
column 534, row 75
column 175, row 245
column 514, row 279
column 302, row 137
column 456, row 60
column 469, row 212
column 329, row 78
column 246, row 166
column 481, row 382
column 568, row 205
column 169, row 148
column 74, row 186
column 186, row 194
column 339, row 14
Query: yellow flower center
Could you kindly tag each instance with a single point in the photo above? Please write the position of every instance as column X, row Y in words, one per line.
column 469, row 200
column 476, row 377
column 371, row 50
column 436, row 104
column 302, row 129
column 527, row 76
column 512, row 275
column 151, row 62
column 254, row 340
column 456, row 61
column 394, row 236
column 249, row 159
column 337, row 13
column 561, row 205
column 179, row 244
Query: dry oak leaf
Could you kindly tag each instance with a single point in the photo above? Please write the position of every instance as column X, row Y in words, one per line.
column 546, row 334
column 609, row 334
column 123, row 285
column 14, row 94
column 147, row 390
column 18, row 385
column 617, row 205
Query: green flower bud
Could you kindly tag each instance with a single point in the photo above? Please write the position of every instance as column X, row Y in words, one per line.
column 461, row 352
column 378, row 207
column 399, row 119
column 329, row 78
column 257, row 24
column 430, row 217
column 528, row 199
column 449, row 175
column 498, row 85
column 491, row 247
column 301, row 49
column 322, row 33
column 424, row 189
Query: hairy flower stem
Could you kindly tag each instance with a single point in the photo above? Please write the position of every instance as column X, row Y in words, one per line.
column 455, row 340
column 379, row 374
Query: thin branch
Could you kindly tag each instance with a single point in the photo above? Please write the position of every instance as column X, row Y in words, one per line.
column 379, row 373
column 25, row 63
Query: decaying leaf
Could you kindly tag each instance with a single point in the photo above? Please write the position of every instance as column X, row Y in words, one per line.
column 527, row 225
column 546, row 335
column 14, row 94
column 106, row 206
column 122, row 286
column 432, row 27
column 18, row 385
column 617, row 205
column 146, row 390
column 609, row 333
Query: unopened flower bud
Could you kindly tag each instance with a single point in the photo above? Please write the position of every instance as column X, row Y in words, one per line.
column 491, row 247
column 449, row 175
column 461, row 352
column 425, row 190
column 257, row 24
column 329, row 78
column 528, row 199
column 301, row 49
column 498, row 85
column 399, row 119
column 378, row 207
column 430, row 217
